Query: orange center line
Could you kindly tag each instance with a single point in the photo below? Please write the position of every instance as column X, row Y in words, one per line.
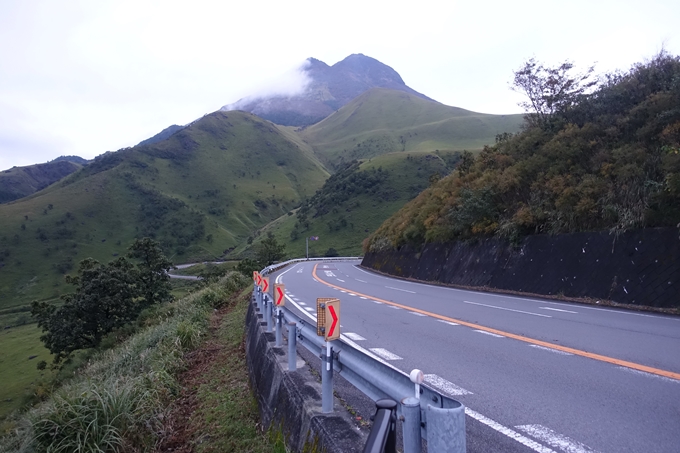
column 590, row 355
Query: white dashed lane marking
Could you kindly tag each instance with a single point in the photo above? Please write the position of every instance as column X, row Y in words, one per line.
column 508, row 432
column 554, row 439
column 650, row 375
column 489, row 333
column 448, row 322
column 543, row 348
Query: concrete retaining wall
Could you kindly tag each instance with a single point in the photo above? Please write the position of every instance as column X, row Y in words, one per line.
column 639, row 267
column 291, row 401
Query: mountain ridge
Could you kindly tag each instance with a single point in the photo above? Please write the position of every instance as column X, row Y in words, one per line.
column 329, row 88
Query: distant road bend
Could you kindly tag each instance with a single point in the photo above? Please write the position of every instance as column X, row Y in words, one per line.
column 534, row 375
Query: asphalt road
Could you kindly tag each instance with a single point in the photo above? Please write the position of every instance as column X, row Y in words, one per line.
column 534, row 375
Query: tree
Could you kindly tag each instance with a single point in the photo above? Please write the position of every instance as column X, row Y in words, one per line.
column 270, row 251
column 247, row 265
column 152, row 271
column 550, row 90
column 104, row 299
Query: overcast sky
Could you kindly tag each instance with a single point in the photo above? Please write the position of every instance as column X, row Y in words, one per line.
column 85, row 77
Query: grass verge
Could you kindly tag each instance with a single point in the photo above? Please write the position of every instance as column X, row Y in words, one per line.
column 216, row 410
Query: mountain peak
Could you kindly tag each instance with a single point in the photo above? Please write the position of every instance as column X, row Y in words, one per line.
column 327, row 88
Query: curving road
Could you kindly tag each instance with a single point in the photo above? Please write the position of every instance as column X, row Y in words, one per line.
column 534, row 375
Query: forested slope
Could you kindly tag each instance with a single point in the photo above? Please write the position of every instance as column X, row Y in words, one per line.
column 604, row 160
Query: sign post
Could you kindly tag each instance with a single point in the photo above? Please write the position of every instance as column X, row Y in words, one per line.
column 328, row 326
column 307, row 239
column 279, row 301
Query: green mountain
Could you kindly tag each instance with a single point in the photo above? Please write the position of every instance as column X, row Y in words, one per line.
column 382, row 121
column 609, row 160
column 208, row 187
column 200, row 192
column 19, row 182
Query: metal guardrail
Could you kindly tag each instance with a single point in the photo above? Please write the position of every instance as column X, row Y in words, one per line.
column 425, row 412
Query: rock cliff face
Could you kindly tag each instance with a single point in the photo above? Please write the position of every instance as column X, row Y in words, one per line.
column 329, row 88
column 639, row 267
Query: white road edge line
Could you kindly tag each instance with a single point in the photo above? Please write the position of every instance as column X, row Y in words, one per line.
column 507, row 297
column 445, row 386
column 399, row 289
column 385, row 354
column 508, row 432
column 555, row 439
column 354, row 336
column 507, row 309
column 558, row 309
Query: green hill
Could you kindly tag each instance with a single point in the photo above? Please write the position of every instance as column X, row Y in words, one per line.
column 200, row 192
column 609, row 160
column 356, row 200
column 19, row 182
column 382, row 121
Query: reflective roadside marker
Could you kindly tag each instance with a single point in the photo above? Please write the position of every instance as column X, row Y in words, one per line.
column 279, row 294
column 328, row 318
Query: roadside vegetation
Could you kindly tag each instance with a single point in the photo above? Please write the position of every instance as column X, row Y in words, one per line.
column 122, row 398
column 592, row 156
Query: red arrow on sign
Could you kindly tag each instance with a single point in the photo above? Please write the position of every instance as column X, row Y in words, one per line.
column 259, row 279
column 265, row 282
column 279, row 299
column 335, row 321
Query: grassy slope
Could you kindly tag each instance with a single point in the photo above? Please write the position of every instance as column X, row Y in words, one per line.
column 18, row 373
column 382, row 121
column 408, row 174
column 202, row 191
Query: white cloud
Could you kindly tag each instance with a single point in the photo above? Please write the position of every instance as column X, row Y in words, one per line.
column 87, row 77
column 290, row 83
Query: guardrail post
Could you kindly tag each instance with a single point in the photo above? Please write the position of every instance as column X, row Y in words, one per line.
column 279, row 328
column 383, row 435
column 268, row 313
column 446, row 429
column 411, row 429
column 292, row 346
column 327, row 379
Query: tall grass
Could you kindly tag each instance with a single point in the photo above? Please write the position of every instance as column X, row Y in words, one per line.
column 118, row 401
